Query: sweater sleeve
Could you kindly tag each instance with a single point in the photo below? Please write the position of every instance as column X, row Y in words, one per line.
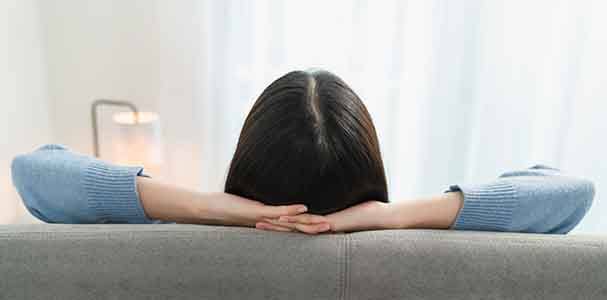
column 59, row 186
column 537, row 200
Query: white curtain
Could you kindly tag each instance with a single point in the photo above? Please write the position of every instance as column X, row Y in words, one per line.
column 459, row 91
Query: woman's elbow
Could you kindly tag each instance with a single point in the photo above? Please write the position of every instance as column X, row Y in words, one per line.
column 580, row 201
column 22, row 170
column 586, row 192
column 554, row 204
column 24, row 173
column 572, row 194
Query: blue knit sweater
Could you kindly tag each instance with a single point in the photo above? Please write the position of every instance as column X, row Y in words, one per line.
column 59, row 186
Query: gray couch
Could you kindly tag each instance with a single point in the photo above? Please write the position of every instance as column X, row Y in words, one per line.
column 206, row 262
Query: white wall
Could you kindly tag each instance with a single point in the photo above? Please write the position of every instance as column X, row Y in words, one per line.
column 141, row 51
column 99, row 49
column 24, row 121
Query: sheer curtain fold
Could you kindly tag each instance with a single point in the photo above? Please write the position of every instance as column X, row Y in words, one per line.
column 458, row 90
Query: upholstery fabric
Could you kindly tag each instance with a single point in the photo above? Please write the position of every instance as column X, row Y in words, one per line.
column 53, row 261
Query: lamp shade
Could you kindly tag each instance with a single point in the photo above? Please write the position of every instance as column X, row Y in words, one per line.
column 138, row 141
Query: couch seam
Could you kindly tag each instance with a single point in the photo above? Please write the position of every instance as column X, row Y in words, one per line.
column 348, row 267
column 341, row 267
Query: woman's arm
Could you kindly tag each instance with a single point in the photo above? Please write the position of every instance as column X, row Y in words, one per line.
column 167, row 202
column 59, row 186
column 438, row 212
column 539, row 200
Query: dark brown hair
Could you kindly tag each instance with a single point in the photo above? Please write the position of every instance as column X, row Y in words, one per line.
column 308, row 139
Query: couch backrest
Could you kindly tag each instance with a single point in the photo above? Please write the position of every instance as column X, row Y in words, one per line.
column 207, row 262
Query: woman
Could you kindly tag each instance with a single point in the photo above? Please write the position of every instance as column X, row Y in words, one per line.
column 307, row 160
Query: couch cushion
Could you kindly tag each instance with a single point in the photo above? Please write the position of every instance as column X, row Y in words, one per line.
column 47, row 261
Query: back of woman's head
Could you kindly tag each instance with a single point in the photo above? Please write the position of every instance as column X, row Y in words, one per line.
column 308, row 139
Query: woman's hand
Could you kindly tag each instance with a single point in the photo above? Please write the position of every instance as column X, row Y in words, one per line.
column 368, row 215
column 228, row 209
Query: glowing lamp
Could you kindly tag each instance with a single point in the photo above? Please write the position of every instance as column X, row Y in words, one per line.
column 138, row 140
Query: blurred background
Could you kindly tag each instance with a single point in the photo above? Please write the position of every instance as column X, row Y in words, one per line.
column 459, row 90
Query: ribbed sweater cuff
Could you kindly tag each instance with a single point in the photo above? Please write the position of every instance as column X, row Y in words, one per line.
column 486, row 207
column 112, row 193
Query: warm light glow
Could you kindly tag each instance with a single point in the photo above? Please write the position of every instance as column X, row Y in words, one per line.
column 137, row 142
column 131, row 118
